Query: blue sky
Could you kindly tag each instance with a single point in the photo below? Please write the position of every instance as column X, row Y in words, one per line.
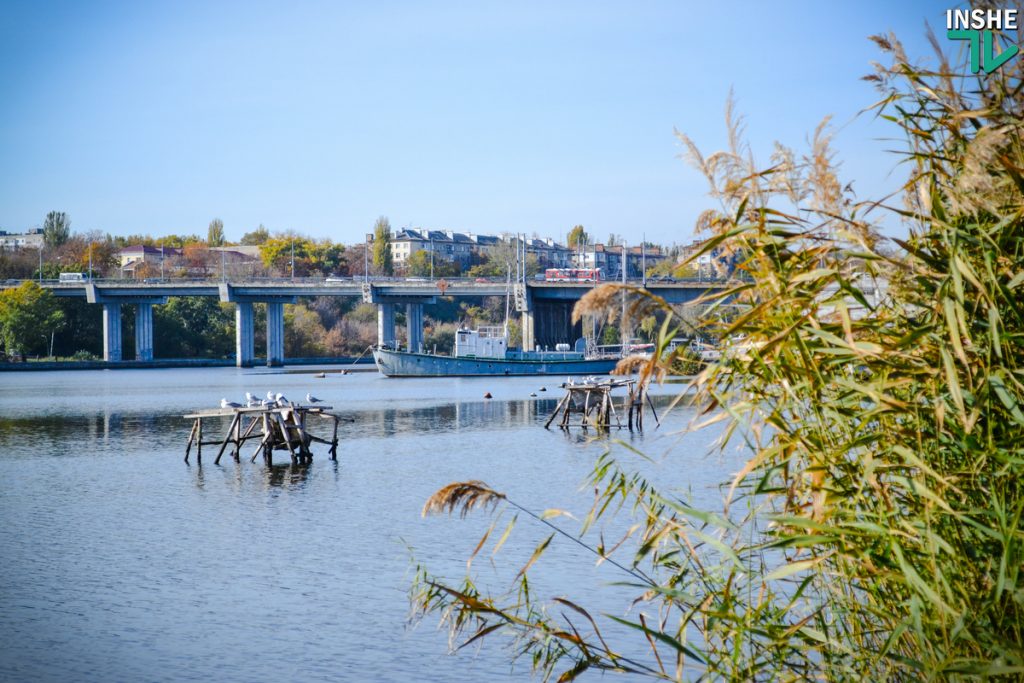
column 476, row 116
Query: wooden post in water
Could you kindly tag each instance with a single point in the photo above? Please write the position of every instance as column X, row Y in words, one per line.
column 191, row 435
column 227, row 438
column 334, row 440
column 199, row 442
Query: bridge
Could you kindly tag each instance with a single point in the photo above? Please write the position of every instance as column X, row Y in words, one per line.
column 545, row 307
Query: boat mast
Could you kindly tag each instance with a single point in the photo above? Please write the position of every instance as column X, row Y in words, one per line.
column 508, row 296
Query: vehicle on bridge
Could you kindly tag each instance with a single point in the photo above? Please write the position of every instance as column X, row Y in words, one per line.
column 572, row 275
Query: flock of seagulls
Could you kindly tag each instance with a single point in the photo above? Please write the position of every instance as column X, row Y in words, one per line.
column 273, row 400
column 278, row 400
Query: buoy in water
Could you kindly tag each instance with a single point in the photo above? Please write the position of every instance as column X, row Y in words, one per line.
column 488, row 395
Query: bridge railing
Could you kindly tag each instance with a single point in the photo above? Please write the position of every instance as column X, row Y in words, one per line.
column 357, row 279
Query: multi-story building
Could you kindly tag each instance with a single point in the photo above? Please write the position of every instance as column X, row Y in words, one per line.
column 549, row 253
column 132, row 257
column 33, row 239
column 610, row 259
column 447, row 244
column 463, row 247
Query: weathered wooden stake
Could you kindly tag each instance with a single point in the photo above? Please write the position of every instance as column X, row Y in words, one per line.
column 191, row 435
column 227, row 439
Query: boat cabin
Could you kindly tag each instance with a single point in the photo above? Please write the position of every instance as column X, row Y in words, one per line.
column 486, row 342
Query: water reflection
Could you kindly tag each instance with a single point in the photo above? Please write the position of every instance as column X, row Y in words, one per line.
column 289, row 477
column 163, row 430
column 228, row 550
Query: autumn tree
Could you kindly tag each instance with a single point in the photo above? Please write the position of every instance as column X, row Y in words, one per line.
column 28, row 316
column 194, row 327
column 215, row 233
column 383, row 260
column 256, row 237
column 320, row 257
column 327, row 257
column 577, row 237
column 306, row 333
column 419, row 265
column 278, row 252
column 501, row 260
column 56, row 229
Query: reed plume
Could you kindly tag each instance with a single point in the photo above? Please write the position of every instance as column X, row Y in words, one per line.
column 462, row 496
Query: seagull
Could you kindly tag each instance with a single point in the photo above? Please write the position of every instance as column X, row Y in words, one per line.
column 313, row 399
column 224, row 403
column 251, row 401
column 280, row 399
column 270, row 396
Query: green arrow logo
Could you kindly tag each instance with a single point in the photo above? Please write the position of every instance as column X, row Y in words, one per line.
column 982, row 50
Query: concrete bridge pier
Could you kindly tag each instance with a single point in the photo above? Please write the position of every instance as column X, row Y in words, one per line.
column 112, row 331
column 144, row 331
column 386, row 325
column 529, row 331
column 275, row 334
column 245, row 354
column 524, row 305
column 414, row 327
column 245, row 338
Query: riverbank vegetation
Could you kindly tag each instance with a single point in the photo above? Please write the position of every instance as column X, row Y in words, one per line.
column 875, row 533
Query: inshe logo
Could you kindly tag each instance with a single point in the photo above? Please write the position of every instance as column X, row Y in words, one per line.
column 977, row 25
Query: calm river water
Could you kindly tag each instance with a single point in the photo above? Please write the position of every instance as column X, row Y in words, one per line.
column 122, row 563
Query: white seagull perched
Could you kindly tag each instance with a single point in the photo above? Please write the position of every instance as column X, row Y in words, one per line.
column 270, row 396
column 224, row 403
column 251, row 401
column 313, row 399
column 280, row 399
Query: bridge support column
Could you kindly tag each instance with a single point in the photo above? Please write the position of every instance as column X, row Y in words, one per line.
column 275, row 334
column 144, row 331
column 386, row 325
column 244, row 335
column 529, row 333
column 414, row 327
column 111, row 332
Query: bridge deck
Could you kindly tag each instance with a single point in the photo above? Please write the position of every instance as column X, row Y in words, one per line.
column 113, row 288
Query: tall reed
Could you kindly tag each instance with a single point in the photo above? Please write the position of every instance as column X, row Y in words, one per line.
column 875, row 532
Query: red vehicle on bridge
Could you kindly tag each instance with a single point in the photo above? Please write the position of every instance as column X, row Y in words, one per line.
column 572, row 275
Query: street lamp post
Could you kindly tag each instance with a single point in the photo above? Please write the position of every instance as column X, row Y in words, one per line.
column 40, row 263
column 293, row 258
column 622, row 320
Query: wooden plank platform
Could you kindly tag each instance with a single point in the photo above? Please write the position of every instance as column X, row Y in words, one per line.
column 277, row 427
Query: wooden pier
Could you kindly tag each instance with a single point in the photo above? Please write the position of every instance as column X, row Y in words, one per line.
column 594, row 403
column 276, row 428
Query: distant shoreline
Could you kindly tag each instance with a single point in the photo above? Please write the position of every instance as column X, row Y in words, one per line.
column 359, row 365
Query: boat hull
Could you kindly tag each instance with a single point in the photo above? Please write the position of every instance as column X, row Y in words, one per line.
column 405, row 364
